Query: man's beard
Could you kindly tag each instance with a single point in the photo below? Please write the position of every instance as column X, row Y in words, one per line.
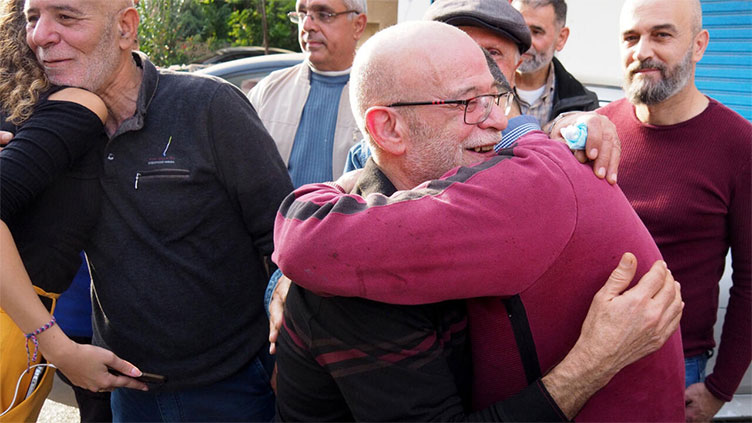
column 435, row 151
column 91, row 70
column 432, row 152
column 647, row 92
column 537, row 61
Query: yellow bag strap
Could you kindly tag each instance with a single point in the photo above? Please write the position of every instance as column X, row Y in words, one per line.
column 43, row 293
column 49, row 299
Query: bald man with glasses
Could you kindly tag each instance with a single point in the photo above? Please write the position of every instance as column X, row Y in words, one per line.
column 346, row 354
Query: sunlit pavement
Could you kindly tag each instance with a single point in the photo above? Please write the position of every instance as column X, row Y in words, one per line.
column 60, row 406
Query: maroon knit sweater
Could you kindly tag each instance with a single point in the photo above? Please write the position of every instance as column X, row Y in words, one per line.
column 690, row 185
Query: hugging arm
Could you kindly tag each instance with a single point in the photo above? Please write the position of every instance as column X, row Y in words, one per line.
column 620, row 328
column 37, row 155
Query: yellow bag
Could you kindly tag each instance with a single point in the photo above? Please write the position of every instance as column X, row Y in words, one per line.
column 12, row 363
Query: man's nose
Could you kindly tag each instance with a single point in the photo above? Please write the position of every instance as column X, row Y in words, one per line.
column 44, row 32
column 642, row 50
column 496, row 119
column 309, row 23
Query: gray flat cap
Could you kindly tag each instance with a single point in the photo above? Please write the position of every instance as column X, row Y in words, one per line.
column 495, row 15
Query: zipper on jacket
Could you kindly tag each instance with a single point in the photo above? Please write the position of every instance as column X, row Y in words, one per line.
column 161, row 173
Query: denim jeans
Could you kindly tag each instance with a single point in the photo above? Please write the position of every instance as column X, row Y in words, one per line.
column 245, row 396
column 694, row 368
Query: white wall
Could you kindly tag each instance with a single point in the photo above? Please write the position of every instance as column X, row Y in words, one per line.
column 411, row 10
column 592, row 51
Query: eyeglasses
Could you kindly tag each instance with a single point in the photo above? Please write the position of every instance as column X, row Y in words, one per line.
column 477, row 109
column 317, row 15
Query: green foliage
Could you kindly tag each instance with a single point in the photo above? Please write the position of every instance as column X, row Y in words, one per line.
column 246, row 25
column 181, row 31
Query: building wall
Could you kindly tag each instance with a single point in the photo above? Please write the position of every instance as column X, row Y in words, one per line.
column 725, row 72
column 592, row 51
column 381, row 14
column 412, row 10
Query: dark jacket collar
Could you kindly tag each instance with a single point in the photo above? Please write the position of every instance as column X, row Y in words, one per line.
column 569, row 93
column 372, row 180
column 149, row 83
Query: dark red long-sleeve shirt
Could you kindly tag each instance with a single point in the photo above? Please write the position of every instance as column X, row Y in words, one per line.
column 690, row 185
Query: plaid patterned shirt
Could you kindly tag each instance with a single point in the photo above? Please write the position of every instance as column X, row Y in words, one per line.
column 541, row 108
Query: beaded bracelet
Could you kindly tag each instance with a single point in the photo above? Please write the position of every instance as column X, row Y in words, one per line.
column 33, row 337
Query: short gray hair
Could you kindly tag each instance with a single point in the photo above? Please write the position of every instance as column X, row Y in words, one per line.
column 360, row 6
column 560, row 8
column 696, row 17
column 377, row 75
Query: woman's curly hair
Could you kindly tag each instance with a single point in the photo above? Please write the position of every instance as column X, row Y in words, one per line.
column 22, row 79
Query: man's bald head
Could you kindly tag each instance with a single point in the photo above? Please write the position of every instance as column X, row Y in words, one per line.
column 405, row 60
column 691, row 10
column 122, row 4
column 448, row 114
column 696, row 10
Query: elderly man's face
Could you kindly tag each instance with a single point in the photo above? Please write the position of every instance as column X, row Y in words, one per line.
column 439, row 137
column 503, row 50
column 546, row 36
column 328, row 46
column 656, row 48
column 74, row 40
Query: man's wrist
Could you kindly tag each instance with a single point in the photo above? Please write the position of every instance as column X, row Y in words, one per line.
column 713, row 389
column 549, row 127
column 575, row 379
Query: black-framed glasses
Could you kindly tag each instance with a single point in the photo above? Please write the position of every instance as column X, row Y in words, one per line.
column 477, row 109
column 317, row 15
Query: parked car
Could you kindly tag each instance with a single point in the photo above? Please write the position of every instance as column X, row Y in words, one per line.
column 234, row 53
column 246, row 73
column 606, row 93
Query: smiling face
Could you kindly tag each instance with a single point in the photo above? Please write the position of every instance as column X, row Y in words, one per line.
column 329, row 46
column 658, row 43
column 74, row 40
column 426, row 62
column 439, row 139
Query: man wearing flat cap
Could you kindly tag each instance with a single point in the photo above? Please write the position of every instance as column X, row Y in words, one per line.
column 495, row 25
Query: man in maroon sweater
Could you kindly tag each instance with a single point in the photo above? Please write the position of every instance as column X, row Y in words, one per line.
column 686, row 170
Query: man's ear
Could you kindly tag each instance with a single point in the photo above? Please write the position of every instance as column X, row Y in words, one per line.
column 359, row 25
column 519, row 62
column 561, row 40
column 386, row 129
column 699, row 44
column 128, row 26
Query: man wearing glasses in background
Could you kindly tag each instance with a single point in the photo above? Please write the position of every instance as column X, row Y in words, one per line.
column 423, row 94
column 306, row 108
